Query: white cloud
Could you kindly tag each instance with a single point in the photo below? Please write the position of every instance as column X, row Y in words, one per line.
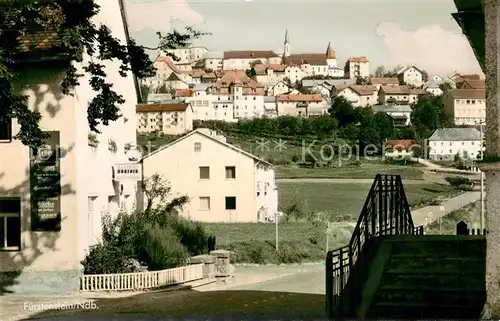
column 431, row 48
column 159, row 15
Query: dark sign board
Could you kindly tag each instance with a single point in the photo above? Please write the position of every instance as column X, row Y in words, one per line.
column 45, row 185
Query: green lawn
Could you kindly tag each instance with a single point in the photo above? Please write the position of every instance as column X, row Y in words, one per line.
column 298, row 242
column 341, row 199
column 365, row 170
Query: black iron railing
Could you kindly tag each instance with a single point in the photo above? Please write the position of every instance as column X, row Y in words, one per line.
column 386, row 212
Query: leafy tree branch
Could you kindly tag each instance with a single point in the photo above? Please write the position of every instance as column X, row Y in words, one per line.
column 79, row 40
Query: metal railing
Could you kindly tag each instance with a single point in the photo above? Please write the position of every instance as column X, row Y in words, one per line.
column 141, row 280
column 386, row 212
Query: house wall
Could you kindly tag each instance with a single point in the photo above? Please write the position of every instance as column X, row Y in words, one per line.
column 289, row 108
column 466, row 111
column 446, row 150
column 434, row 91
column 213, row 64
column 167, row 122
column 49, row 262
column 239, row 64
column 383, row 98
column 356, row 99
column 266, row 192
column 413, row 77
column 189, row 55
column 184, row 176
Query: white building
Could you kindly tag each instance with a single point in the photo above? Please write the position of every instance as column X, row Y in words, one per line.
column 173, row 118
column 411, row 75
column 277, row 89
column 401, row 114
column 91, row 175
column 188, row 56
column 243, row 59
column 445, row 143
column 357, row 67
column 213, row 60
column 301, row 105
column 392, row 94
column 235, row 96
column 359, row 95
column 312, row 64
column 434, row 87
column 466, row 106
column 223, row 182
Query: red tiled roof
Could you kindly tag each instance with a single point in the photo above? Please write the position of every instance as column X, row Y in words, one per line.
column 145, row 108
column 315, row 59
column 299, row 97
column 249, row 54
column 184, row 92
column 401, row 143
column 358, row 59
column 384, row 80
column 170, row 63
column 468, row 93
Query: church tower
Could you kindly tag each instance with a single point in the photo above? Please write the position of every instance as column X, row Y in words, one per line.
column 286, row 44
column 331, row 56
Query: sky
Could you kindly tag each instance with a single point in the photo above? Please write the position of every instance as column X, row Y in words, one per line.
column 390, row 33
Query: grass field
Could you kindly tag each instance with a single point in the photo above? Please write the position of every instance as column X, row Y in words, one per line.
column 447, row 225
column 340, row 199
column 365, row 170
column 298, row 242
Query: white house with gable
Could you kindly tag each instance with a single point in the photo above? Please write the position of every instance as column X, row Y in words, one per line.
column 411, row 75
column 224, row 183
column 445, row 143
column 48, row 224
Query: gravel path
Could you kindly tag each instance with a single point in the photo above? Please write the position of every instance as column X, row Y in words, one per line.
column 340, row 180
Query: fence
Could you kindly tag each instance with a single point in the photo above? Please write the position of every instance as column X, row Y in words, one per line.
column 463, row 229
column 141, row 280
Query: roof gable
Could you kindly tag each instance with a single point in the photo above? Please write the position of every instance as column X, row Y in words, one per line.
column 214, row 139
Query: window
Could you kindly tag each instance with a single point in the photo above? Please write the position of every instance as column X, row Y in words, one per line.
column 197, row 147
column 6, row 130
column 230, row 172
column 230, row 202
column 10, row 224
column 204, row 172
column 204, row 203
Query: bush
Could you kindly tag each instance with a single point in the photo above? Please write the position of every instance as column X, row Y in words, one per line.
column 160, row 248
column 458, row 181
column 159, row 239
column 295, row 158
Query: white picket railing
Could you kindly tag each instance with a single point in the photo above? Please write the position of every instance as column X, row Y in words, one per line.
column 141, row 280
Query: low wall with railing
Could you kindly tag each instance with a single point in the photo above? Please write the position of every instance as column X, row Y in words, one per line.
column 141, row 280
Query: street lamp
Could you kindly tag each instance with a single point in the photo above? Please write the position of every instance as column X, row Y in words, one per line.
column 481, row 221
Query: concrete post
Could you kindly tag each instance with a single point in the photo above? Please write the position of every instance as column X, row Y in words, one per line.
column 491, row 163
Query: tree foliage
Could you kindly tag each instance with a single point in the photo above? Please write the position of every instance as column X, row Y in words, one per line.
column 78, row 37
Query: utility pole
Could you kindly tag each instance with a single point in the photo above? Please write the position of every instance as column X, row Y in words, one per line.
column 276, row 220
column 328, row 230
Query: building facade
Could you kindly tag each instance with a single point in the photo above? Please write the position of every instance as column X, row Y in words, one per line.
column 173, row 118
column 446, row 143
column 52, row 200
column 223, row 183
column 466, row 106
column 357, row 67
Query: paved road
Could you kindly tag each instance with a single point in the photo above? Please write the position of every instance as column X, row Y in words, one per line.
column 429, row 214
column 314, row 281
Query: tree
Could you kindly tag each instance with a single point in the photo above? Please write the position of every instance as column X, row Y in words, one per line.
column 361, row 81
column 77, row 36
column 156, row 188
column 380, row 71
column 343, row 111
column 251, row 72
column 425, row 76
column 145, row 90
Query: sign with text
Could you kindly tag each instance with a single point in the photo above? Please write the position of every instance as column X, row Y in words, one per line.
column 45, row 185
